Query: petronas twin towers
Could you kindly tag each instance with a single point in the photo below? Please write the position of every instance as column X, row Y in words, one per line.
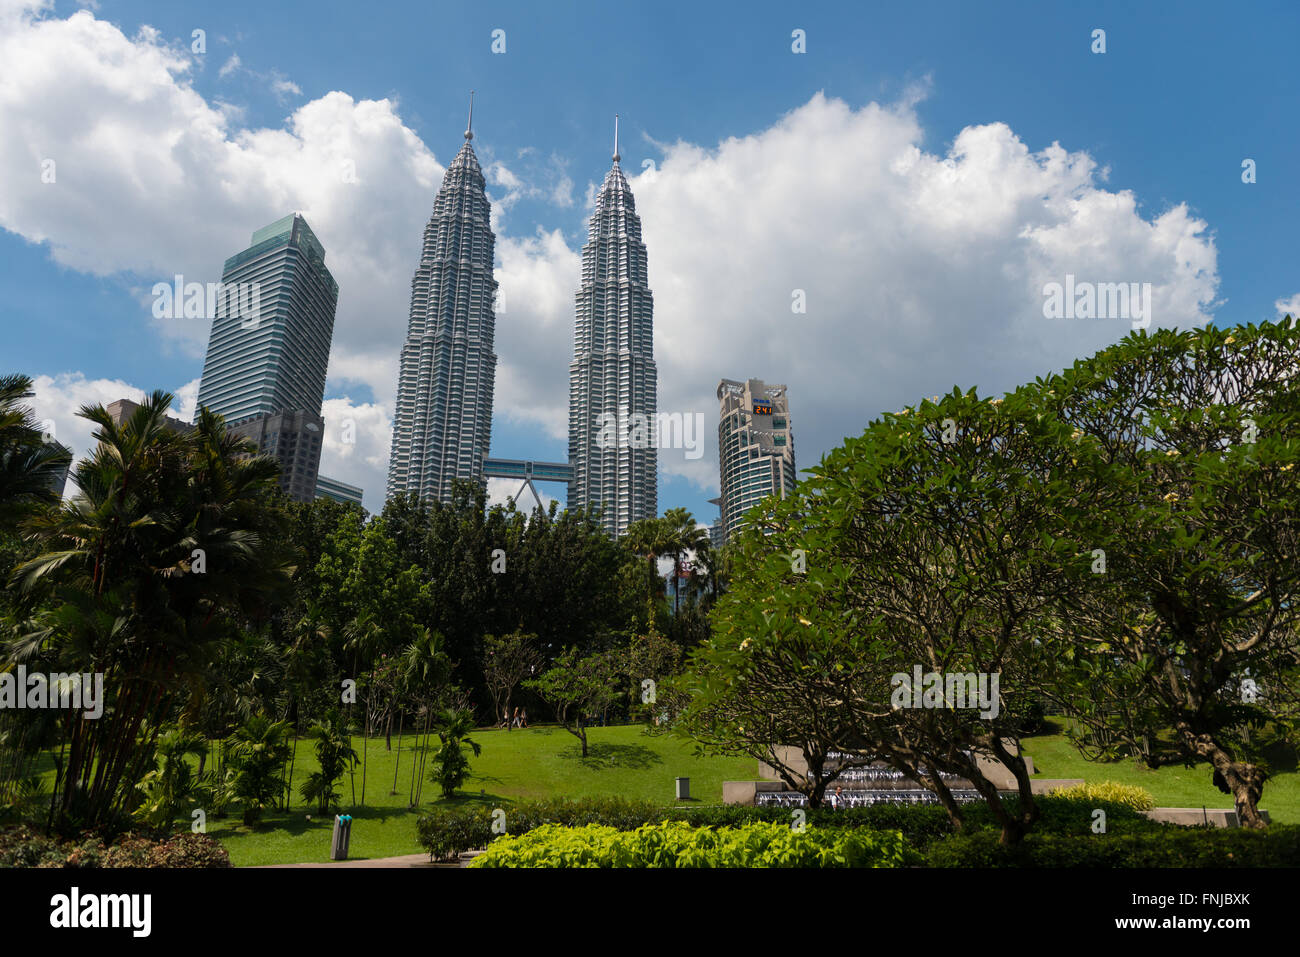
column 443, row 422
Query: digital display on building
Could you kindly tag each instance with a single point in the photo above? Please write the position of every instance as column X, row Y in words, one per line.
column 762, row 406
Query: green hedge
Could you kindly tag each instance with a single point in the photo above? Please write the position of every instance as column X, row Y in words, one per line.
column 23, row 847
column 1171, row 846
column 677, row 844
column 445, row 834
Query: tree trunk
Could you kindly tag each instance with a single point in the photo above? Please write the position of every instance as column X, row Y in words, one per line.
column 1244, row 781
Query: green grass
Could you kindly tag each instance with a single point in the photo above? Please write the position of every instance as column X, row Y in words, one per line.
column 528, row 763
column 1171, row 785
column 623, row 761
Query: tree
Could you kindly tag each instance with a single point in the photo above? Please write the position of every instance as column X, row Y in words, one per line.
column 255, row 773
column 940, row 541
column 579, row 687
column 167, row 547
column 450, row 766
column 28, row 463
column 508, row 660
column 172, row 783
column 682, row 536
column 1193, row 609
column 334, row 755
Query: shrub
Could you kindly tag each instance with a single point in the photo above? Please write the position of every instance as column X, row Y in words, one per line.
column 677, row 844
column 448, row 834
column 1167, row 846
column 1111, row 792
column 22, row 847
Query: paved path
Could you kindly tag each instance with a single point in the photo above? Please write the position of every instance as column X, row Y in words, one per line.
column 406, row 860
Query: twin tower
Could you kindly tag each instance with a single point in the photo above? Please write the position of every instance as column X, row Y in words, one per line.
column 443, row 423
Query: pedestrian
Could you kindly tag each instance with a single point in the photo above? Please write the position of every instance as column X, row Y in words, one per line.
column 515, row 720
column 523, row 718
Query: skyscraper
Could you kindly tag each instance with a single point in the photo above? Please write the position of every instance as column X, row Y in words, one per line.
column 443, row 421
column 269, row 349
column 755, row 449
column 612, row 378
column 273, row 356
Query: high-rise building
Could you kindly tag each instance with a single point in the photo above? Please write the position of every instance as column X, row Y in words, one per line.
column 443, row 421
column 293, row 439
column 612, row 378
column 755, row 448
column 121, row 410
column 331, row 488
column 270, row 343
column 269, row 349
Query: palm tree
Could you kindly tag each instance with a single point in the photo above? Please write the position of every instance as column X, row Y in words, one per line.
column 28, row 464
column 649, row 537
column 450, row 767
column 257, row 762
column 168, row 544
column 681, row 536
column 335, row 755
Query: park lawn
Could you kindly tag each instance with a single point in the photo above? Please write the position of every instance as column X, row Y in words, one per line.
column 1171, row 786
column 536, row 762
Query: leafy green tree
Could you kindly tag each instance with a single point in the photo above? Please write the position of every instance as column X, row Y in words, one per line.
column 173, row 783
column 164, row 551
column 579, row 688
column 508, row 660
column 450, row 767
column 28, row 463
column 334, row 755
column 1193, row 606
column 255, row 774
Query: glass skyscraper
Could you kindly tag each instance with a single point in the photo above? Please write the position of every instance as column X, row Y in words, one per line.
column 612, row 378
column 443, row 420
column 269, row 348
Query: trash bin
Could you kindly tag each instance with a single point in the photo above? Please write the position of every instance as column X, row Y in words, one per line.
column 342, row 835
column 683, row 789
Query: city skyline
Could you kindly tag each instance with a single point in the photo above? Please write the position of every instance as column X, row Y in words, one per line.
column 911, row 198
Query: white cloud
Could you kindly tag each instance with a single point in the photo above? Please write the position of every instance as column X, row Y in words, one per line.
column 1288, row 307
column 230, row 66
column 59, row 398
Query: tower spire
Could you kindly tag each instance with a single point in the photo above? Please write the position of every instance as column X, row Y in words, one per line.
column 616, row 156
column 469, row 124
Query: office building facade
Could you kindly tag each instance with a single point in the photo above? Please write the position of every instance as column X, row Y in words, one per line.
column 442, row 425
column 755, row 449
column 268, row 353
column 613, row 378
column 269, row 348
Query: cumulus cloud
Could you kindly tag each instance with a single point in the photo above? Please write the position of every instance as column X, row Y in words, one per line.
column 57, row 400
column 356, row 444
column 1288, row 307
column 920, row 268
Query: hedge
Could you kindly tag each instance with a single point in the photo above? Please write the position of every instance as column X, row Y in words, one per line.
column 446, row 834
column 677, row 844
column 1278, row 846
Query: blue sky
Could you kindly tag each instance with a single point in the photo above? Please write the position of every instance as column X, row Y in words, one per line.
column 915, row 267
